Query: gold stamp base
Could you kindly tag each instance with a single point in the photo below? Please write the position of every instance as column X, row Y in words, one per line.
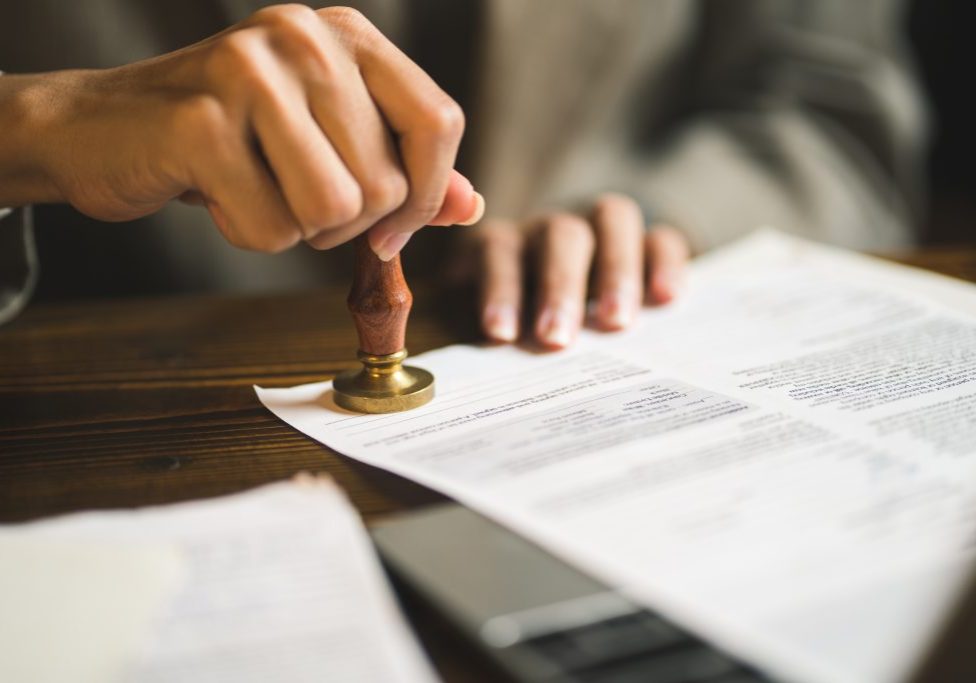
column 383, row 385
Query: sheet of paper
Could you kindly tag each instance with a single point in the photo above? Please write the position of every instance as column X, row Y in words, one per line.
column 282, row 584
column 785, row 459
column 76, row 611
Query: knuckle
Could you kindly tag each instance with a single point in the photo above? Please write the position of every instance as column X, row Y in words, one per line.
column 614, row 201
column 346, row 18
column 292, row 29
column 203, row 118
column 286, row 242
column 500, row 236
column 495, row 231
column 324, row 240
column 328, row 209
column 384, row 194
column 236, row 49
column 311, row 217
column 350, row 27
column 320, row 241
column 327, row 239
column 295, row 32
column 562, row 226
column 445, row 119
column 352, row 30
column 346, row 204
column 238, row 59
column 423, row 209
column 289, row 16
column 275, row 241
column 614, row 212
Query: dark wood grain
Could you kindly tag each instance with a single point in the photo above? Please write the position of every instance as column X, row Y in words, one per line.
column 137, row 402
column 127, row 403
column 379, row 301
column 952, row 261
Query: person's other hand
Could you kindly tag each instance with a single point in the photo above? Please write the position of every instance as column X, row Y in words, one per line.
column 293, row 125
column 609, row 257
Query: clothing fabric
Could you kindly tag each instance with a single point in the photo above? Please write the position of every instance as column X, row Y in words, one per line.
column 18, row 262
column 718, row 116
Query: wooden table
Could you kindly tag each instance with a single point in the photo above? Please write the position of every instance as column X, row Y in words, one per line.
column 138, row 402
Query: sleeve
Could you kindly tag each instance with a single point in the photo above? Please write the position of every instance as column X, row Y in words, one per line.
column 18, row 262
column 802, row 116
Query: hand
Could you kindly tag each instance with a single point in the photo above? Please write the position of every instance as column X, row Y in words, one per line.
column 630, row 265
column 293, row 125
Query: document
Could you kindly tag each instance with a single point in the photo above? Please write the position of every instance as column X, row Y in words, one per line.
column 77, row 611
column 280, row 584
column 784, row 460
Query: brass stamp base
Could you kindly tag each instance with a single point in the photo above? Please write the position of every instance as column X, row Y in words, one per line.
column 383, row 385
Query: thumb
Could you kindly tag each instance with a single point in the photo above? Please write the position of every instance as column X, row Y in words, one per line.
column 462, row 205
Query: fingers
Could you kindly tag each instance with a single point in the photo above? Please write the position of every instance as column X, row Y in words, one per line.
column 321, row 191
column 428, row 123
column 324, row 95
column 667, row 257
column 234, row 184
column 356, row 135
column 566, row 244
column 317, row 125
column 283, row 159
column 346, row 113
column 619, row 228
column 462, row 206
column 501, row 280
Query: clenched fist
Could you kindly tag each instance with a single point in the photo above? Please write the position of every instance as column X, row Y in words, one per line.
column 293, row 125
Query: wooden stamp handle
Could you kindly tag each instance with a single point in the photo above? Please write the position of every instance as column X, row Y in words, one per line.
column 379, row 301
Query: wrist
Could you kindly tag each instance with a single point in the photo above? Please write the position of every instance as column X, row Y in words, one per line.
column 27, row 113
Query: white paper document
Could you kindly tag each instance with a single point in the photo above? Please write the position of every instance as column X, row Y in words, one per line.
column 77, row 611
column 783, row 460
column 279, row 584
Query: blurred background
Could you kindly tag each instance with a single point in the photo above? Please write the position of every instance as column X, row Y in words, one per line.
column 940, row 32
column 945, row 50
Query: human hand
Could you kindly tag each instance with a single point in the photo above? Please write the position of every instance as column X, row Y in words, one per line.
column 292, row 125
column 629, row 264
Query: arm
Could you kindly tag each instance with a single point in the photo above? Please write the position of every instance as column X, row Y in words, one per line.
column 803, row 116
column 294, row 125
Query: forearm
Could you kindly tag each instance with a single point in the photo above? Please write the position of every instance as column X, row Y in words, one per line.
column 27, row 113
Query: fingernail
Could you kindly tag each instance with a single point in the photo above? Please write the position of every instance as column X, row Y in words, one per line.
column 392, row 245
column 617, row 309
column 501, row 322
column 479, row 210
column 667, row 284
column 556, row 327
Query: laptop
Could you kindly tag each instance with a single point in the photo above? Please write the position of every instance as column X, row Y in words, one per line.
column 540, row 619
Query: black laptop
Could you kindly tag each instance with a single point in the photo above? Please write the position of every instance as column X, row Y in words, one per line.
column 539, row 619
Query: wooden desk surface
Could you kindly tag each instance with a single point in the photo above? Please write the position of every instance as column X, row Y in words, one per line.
column 139, row 402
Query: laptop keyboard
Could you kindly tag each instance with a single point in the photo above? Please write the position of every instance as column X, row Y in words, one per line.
column 637, row 647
